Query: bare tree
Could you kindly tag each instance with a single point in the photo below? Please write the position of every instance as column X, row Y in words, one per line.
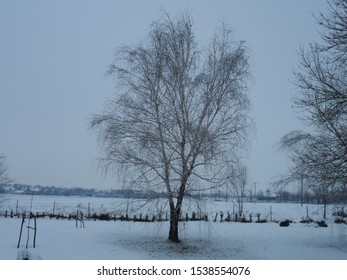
column 180, row 114
column 335, row 31
column 238, row 181
column 4, row 178
column 320, row 157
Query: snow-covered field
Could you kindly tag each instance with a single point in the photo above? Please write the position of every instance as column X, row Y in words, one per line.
column 60, row 239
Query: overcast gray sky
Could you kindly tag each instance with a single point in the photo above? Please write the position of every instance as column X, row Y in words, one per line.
column 53, row 56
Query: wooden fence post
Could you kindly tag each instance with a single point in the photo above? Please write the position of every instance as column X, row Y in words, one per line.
column 53, row 208
column 21, row 229
column 17, row 208
column 270, row 213
column 34, row 242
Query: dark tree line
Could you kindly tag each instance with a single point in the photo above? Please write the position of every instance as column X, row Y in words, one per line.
column 62, row 191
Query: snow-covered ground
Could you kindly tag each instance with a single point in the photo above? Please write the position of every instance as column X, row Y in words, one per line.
column 60, row 239
column 70, row 204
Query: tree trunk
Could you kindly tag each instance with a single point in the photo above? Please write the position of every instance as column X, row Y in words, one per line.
column 174, row 219
column 325, row 202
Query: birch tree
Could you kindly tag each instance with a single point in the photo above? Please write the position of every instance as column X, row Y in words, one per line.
column 181, row 112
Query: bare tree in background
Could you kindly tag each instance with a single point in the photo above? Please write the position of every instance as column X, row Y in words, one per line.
column 4, row 178
column 320, row 157
column 238, row 181
column 181, row 113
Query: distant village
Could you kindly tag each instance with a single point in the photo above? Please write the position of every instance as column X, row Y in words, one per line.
column 216, row 195
column 74, row 191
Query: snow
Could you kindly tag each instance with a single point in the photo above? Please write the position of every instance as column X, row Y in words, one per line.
column 105, row 240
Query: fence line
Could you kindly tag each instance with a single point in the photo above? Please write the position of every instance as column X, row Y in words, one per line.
column 229, row 216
